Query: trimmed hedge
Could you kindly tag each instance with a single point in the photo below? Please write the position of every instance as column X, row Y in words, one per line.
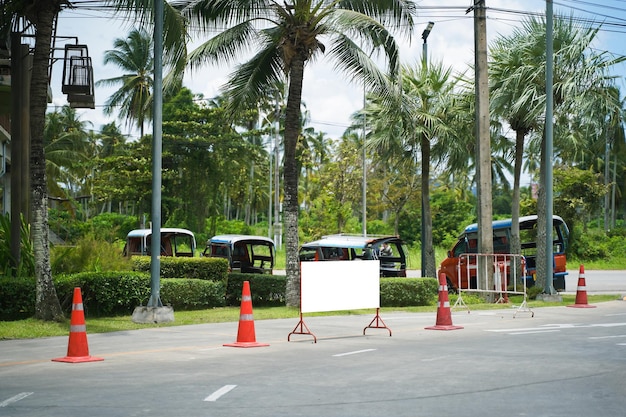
column 403, row 292
column 111, row 293
column 213, row 269
column 266, row 290
column 269, row 290
column 17, row 298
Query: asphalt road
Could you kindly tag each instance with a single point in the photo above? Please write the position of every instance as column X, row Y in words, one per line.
column 561, row 362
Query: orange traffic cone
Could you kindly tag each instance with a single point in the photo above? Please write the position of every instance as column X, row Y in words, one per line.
column 77, row 349
column 581, row 291
column 245, row 334
column 444, row 315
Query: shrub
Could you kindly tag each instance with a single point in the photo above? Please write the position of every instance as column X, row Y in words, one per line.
column 591, row 246
column 113, row 293
column 104, row 293
column 192, row 294
column 213, row 269
column 401, row 292
column 17, row 298
column 26, row 265
column 110, row 227
column 266, row 290
column 88, row 255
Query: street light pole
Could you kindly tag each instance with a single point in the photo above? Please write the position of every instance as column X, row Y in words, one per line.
column 425, row 34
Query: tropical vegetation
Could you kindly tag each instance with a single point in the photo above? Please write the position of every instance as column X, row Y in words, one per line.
column 415, row 127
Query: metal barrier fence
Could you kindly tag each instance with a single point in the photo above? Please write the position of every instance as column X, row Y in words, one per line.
column 508, row 271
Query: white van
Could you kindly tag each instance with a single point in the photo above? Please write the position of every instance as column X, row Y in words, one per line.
column 174, row 242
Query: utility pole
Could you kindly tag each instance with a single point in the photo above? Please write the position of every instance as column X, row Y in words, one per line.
column 483, row 141
column 364, row 191
column 155, row 312
column 277, row 225
column 549, row 259
column 425, row 34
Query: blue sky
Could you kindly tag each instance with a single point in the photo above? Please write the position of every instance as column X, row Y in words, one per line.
column 330, row 98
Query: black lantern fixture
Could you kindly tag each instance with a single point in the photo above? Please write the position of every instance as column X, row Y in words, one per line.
column 78, row 77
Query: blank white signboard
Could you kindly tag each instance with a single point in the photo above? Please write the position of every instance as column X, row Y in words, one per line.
column 339, row 285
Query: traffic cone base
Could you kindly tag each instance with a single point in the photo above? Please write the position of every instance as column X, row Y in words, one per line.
column 245, row 334
column 77, row 348
column 444, row 315
column 246, row 344
column 581, row 291
column 581, row 306
column 77, row 359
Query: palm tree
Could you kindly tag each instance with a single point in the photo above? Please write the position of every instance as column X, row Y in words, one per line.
column 113, row 140
column 41, row 16
column 133, row 100
column 581, row 82
column 420, row 119
column 510, row 78
column 67, row 151
column 286, row 37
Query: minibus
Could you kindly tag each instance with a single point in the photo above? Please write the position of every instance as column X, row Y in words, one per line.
column 455, row 263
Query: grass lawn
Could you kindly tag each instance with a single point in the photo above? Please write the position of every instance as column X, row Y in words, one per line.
column 31, row 328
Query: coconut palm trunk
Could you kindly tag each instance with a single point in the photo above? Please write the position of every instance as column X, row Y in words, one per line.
column 430, row 267
column 47, row 306
column 292, row 131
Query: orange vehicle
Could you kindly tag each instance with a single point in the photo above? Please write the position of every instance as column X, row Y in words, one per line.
column 456, row 264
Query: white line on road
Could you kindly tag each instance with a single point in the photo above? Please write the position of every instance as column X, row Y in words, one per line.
column 607, row 337
column 222, row 391
column 15, row 398
column 354, row 353
column 435, row 359
column 536, row 331
column 554, row 327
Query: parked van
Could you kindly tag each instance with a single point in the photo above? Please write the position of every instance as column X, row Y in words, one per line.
column 246, row 254
column 389, row 249
column 468, row 244
column 174, row 242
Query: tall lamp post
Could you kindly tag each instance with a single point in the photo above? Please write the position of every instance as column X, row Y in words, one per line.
column 425, row 34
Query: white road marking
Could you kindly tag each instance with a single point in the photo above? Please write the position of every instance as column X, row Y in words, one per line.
column 15, row 398
column 354, row 353
column 608, row 337
column 537, row 331
column 435, row 359
column 222, row 391
column 554, row 327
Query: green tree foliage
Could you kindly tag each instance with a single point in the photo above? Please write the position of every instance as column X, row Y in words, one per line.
column 577, row 192
column 132, row 102
column 203, row 160
column 284, row 39
column 26, row 264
